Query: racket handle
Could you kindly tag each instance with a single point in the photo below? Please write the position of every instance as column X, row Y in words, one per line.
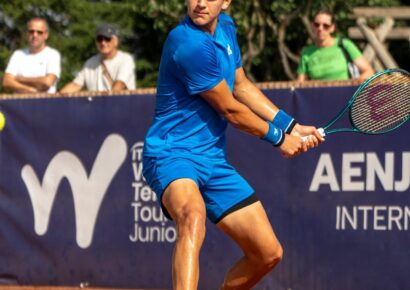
column 320, row 130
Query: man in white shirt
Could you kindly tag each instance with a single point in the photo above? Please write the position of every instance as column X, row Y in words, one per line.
column 36, row 68
column 109, row 70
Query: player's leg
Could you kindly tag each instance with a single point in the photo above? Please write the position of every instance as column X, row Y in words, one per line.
column 184, row 203
column 250, row 228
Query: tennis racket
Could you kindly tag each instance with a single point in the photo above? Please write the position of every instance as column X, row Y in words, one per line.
column 380, row 105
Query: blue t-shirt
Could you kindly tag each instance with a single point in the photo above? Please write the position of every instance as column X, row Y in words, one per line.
column 192, row 61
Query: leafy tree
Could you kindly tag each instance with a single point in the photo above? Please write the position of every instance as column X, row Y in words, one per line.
column 72, row 26
column 271, row 33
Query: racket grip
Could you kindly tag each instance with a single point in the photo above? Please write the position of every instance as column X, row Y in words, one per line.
column 321, row 131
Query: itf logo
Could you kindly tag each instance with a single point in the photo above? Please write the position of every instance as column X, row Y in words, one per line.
column 88, row 191
column 150, row 223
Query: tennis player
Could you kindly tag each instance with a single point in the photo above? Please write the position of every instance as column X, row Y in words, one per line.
column 202, row 87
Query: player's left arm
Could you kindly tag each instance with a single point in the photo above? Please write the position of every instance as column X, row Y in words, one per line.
column 240, row 116
column 250, row 95
column 246, row 92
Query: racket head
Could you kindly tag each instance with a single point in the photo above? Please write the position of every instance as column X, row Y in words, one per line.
column 382, row 103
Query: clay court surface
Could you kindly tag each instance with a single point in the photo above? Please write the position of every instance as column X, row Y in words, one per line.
column 2, row 287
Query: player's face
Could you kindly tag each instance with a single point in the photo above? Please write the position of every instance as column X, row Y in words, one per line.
column 37, row 35
column 322, row 26
column 204, row 13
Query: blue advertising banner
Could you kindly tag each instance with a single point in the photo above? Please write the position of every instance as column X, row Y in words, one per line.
column 75, row 208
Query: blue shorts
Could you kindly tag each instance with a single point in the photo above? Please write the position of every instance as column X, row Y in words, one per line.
column 222, row 188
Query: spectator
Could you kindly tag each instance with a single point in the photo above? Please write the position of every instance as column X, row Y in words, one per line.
column 328, row 57
column 109, row 70
column 36, row 68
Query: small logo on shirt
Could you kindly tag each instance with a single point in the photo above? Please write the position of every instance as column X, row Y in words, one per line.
column 229, row 50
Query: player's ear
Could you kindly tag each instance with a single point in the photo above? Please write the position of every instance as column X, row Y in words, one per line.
column 225, row 4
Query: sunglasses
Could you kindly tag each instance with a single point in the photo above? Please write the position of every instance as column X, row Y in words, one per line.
column 33, row 31
column 101, row 38
column 326, row 26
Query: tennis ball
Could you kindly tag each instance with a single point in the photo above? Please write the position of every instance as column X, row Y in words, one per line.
column 2, row 121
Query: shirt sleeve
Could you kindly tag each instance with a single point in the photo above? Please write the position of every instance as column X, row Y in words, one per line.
column 80, row 77
column 352, row 49
column 126, row 74
column 54, row 64
column 231, row 30
column 13, row 65
column 198, row 66
column 238, row 58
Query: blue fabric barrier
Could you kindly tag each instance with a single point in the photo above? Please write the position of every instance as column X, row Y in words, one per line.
column 74, row 207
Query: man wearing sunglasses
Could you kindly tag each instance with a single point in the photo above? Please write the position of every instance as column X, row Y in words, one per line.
column 109, row 70
column 329, row 58
column 35, row 68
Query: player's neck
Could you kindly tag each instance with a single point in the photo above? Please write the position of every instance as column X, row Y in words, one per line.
column 210, row 27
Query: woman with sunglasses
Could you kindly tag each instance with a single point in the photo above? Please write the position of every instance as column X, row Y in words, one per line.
column 328, row 57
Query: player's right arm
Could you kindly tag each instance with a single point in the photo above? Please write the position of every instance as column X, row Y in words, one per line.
column 241, row 117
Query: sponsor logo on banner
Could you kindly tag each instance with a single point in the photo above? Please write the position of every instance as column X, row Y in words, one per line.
column 150, row 223
column 88, row 190
column 365, row 172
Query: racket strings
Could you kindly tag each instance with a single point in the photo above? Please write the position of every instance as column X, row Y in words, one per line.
column 383, row 104
column 384, row 112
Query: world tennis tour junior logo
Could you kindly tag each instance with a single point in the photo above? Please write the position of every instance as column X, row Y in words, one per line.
column 88, row 191
column 150, row 223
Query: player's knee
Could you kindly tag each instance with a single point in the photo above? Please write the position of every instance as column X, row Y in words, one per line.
column 271, row 257
column 276, row 256
column 192, row 224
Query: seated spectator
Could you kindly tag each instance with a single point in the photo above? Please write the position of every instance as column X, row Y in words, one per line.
column 328, row 57
column 36, row 68
column 109, row 70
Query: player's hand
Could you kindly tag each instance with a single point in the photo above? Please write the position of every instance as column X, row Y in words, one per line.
column 314, row 138
column 292, row 146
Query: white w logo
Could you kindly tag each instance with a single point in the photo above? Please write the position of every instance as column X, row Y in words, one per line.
column 88, row 192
